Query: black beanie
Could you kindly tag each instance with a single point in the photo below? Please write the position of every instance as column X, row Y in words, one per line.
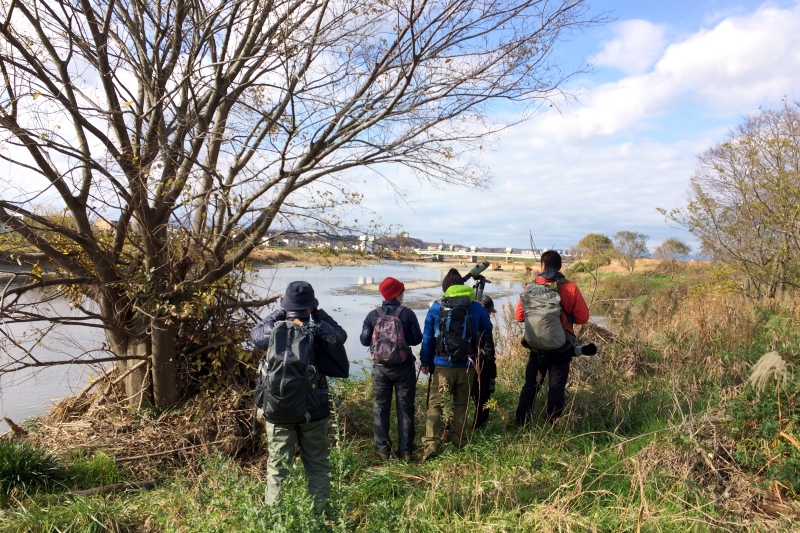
column 453, row 277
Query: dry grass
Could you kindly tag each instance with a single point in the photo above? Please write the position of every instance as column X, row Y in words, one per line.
column 647, row 265
column 771, row 365
column 271, row 256
column 150, row 442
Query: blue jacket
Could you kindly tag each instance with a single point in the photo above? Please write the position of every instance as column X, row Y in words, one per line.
column 481, row 324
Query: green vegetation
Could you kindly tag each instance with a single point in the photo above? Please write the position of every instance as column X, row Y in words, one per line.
column 24, row 467
column 664, row 431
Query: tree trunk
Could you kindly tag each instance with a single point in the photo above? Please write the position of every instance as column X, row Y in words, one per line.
column 137, row 389
column 164, row 373
column 137, row 384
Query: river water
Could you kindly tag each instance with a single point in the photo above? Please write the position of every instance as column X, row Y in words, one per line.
column 347, row 293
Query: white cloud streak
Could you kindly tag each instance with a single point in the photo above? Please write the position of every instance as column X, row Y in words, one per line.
column 636, row 47
column 629, row 146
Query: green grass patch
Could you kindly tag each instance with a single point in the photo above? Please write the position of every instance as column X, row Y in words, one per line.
column 643, row 446
column 25, row 468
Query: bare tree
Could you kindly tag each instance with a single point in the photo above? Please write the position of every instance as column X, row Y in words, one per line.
column 630, row 246
column 670, row 251
column 176, row 133
column 744, row 200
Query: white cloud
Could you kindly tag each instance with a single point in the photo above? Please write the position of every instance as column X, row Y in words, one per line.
column 729, row 70
column 628, row 146
column 636, row 47
column 740, row 62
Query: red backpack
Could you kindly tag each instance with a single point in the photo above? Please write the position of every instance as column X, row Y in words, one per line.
column 388, row 341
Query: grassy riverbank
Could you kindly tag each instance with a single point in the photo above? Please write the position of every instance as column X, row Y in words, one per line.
column 662, row 433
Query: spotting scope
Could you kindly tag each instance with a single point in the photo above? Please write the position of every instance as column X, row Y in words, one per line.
column 476, row 271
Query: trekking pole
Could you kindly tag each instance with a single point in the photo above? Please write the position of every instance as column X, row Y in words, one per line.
column 256, row 430
column 428, row 397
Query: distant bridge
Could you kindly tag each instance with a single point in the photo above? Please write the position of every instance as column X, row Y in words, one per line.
column 439, row 255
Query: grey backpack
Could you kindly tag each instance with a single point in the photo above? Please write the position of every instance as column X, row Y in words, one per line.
column 286, row 390
column 544, row 331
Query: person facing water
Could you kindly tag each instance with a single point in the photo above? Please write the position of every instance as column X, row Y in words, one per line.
column 390, row 330
column 567, row 308
column 301, row 336
column 449, row 350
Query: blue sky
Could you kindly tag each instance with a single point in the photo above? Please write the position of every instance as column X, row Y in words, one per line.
column 669, row 80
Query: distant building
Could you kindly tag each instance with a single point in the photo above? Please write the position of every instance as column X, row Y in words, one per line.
column 366, row 243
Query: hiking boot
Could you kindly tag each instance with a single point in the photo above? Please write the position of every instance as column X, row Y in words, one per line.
column 404, row 457
column 384, row 456
column 430, row 454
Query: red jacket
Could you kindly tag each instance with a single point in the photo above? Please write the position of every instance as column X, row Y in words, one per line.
column 575, row 309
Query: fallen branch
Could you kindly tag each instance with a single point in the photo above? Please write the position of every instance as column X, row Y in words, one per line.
column 135, row 485
column 167, row 452
column 18, row 431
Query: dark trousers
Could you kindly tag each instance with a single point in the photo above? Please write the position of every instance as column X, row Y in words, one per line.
column 402, row 380
column 481, row 392
column 556, row 366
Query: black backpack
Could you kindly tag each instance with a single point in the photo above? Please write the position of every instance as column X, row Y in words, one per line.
column 388, row 340
column 287, row 390
column 454, row 333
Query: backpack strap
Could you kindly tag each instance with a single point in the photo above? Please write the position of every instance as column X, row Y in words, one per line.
column 570, row 319
column 397, row 310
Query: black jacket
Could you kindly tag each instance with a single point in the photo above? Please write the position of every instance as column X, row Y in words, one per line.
column 409, row 320
column 329, row 353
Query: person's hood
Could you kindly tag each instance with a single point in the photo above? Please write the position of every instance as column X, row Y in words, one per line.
column 549, row 275
column 460, row 290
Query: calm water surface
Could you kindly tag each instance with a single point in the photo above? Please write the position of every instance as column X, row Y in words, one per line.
column 346, row 293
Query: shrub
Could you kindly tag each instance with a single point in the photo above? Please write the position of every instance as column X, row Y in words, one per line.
column 25, row 467
column 764, row 422
column 92, row 471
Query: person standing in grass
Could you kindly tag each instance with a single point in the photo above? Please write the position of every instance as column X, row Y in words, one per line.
column 300, row 316
column 556, row 362
column 390, row 330
column 453, row 327
column 485, row 371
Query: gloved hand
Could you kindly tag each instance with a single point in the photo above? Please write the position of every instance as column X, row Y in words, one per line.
column 589, row 349
column 323, row 330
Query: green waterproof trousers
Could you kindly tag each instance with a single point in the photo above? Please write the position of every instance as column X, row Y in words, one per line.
column 313, row 440
column 447, row 380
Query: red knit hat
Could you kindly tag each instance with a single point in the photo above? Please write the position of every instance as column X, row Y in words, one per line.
column 390, row 288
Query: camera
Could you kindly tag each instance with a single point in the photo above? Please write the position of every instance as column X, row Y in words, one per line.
column 586, row 349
